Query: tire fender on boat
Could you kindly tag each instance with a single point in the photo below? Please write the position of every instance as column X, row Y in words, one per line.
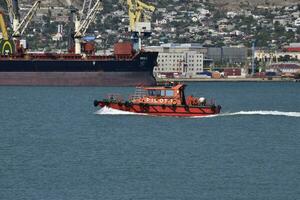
column 96, row 103
column 127, row 104
column 213, row 108
column 186, row 107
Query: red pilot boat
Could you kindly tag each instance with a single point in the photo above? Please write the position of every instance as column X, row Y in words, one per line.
column 161, row 101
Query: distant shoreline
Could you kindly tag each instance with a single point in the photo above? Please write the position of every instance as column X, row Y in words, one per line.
column 226, row 80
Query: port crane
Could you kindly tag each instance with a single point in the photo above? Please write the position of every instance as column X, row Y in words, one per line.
column 139, row 20
column 86, row 7
column 3, row 27
column 6, row 46
column 20, row 27
column 81, row 26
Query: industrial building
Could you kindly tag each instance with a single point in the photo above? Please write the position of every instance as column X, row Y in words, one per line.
column 227, row 55
column 290, row 52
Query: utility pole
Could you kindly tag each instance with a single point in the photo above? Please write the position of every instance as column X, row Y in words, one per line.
column 253, row 58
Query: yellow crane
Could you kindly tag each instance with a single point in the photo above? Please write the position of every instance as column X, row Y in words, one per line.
column 6, row 46
column 139, row 20
column 3, row 27
column 139, row 13
column 19, row 24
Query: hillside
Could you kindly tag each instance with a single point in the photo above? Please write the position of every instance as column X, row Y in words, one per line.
column 225, row 4
column 234, row 5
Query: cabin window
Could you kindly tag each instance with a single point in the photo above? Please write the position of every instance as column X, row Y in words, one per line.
column 155, row 92
column 169, row 93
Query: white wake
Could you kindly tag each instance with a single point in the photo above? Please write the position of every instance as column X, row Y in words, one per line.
column 262, row 112
column 258, row 112
column 111, row 111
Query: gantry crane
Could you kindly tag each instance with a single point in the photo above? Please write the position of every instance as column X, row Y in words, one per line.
column 81, row 26
column 139, row 20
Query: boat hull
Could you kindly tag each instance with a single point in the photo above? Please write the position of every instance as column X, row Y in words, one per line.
column 162, row 110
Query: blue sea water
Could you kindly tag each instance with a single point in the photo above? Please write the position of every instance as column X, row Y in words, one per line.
column 53, row 146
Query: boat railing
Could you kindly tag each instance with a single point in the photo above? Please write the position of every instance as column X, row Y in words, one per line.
column 140, row 92
column 115, row 97
column 212, row 102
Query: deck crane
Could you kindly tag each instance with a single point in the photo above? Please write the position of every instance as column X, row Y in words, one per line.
column 13, row 8
column 81, row 26
column 3, row 27
column 20, row 27
column 6, row 46
column 86, row 7
column 139, row 20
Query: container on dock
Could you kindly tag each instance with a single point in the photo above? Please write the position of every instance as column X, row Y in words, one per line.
column 260, row 75
column 271, row 74
column 232, row 71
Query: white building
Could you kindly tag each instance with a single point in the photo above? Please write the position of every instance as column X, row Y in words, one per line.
column 179, row 60
column 297, row 22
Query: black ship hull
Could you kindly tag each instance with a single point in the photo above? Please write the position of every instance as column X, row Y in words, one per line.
column 104, row 71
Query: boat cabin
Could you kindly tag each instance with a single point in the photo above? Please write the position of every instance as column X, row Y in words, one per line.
column 161, row 95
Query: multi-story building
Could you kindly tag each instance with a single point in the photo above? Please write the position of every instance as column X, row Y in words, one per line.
column 179, row 60
column 187, row 63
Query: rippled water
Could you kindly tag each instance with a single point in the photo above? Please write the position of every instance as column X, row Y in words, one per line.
column 55, row 145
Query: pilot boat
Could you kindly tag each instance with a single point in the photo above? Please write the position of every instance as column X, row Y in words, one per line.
column 167, row 100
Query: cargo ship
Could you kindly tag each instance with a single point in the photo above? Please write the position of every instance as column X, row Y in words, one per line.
column 80, row 66
column 125, row 67
column 168, row 100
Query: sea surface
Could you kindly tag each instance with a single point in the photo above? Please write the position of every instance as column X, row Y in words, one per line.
column 54, row 145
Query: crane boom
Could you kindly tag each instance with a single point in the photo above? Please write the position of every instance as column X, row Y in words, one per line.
column 13, row 9
column 10, row 10
column 3, row 27
column 84, row 24
column 136, row 9
column 139, row 23
column 85, row 8
column 81, row 26
column 19, row 30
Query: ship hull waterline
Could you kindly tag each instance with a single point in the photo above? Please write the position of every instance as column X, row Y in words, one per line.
column 75, row 78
